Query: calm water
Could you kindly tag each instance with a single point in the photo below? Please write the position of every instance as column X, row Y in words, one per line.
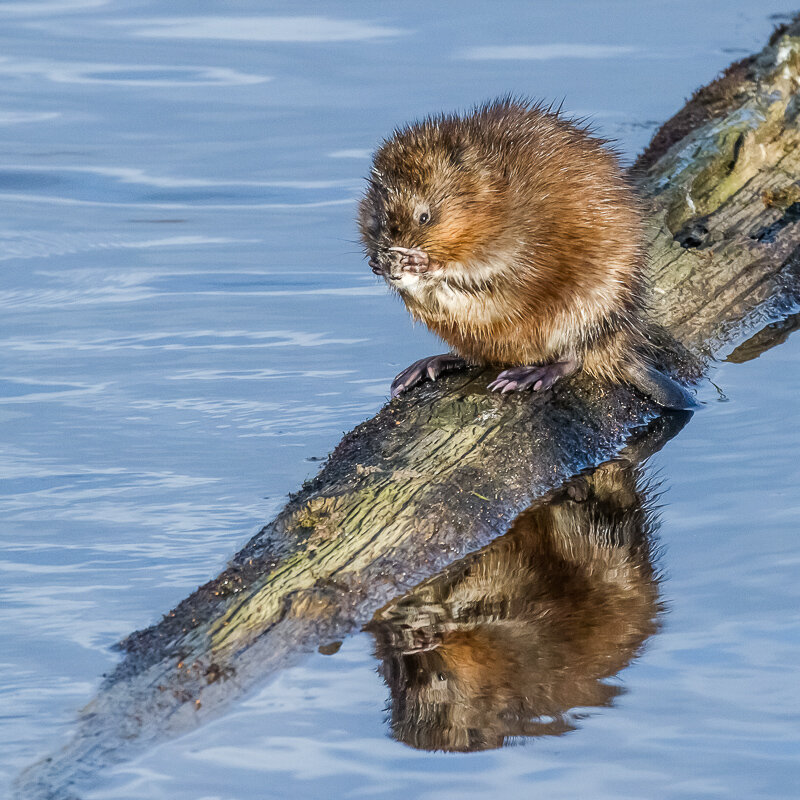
column 188, row 325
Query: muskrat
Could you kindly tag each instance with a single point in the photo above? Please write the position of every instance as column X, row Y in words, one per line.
column 512, row 233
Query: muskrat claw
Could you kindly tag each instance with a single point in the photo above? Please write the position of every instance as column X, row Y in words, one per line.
column 413, row 259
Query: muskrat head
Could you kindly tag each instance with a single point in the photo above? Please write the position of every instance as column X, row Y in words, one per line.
column 431, row 206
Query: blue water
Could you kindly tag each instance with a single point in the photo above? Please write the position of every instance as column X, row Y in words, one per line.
column 187, row 324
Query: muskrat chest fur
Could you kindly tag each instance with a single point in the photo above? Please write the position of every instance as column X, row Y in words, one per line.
column 514, row 236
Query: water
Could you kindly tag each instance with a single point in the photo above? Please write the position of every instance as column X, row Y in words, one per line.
column 188, row 324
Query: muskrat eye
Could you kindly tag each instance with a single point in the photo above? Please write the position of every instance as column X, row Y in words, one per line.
column 424, row 217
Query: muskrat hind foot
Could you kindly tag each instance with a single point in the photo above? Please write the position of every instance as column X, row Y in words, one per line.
column 536, row 376
column 429, row 368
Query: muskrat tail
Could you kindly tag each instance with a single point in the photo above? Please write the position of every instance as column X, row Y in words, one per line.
column 659, row 387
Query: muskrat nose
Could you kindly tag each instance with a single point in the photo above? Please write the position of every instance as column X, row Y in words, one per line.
column 382, row 267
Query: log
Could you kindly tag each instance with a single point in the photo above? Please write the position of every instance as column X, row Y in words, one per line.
column 447, row 469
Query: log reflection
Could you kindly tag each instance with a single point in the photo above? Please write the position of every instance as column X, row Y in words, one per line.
column 501, row 643
column 505, row 642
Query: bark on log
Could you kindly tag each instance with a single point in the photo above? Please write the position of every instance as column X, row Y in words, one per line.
column 444, row 470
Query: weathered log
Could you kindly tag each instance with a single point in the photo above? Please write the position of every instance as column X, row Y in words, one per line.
column 444, row 470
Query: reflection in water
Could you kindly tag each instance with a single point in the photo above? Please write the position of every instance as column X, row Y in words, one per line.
column 501, row 643
column 505, row 642
column 769, row 336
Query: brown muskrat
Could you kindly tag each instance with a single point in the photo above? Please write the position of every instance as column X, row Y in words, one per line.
column 512, row 233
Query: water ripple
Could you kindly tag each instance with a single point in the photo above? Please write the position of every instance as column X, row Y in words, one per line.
column 306, row 29
column 21, row 117
column 180, row 340
column 546, row 52
column 51, row 7
column 143, row 75
column 70, row 201
column 11, row 390
column 132, row 175
column 40, row 244
column 254, row 374
column 128, row 187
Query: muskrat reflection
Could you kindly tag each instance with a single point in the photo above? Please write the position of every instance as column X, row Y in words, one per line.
column 505, row 642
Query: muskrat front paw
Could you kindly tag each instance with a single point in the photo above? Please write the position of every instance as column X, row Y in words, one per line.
column 536, row 377
column 414, row 260
column 429, row 368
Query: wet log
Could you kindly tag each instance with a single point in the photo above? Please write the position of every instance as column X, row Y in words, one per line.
column 446, row 469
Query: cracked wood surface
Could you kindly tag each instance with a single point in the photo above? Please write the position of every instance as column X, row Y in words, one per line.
column 443, row 470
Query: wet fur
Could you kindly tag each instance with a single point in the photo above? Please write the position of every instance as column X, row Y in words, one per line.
column 534, row 233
